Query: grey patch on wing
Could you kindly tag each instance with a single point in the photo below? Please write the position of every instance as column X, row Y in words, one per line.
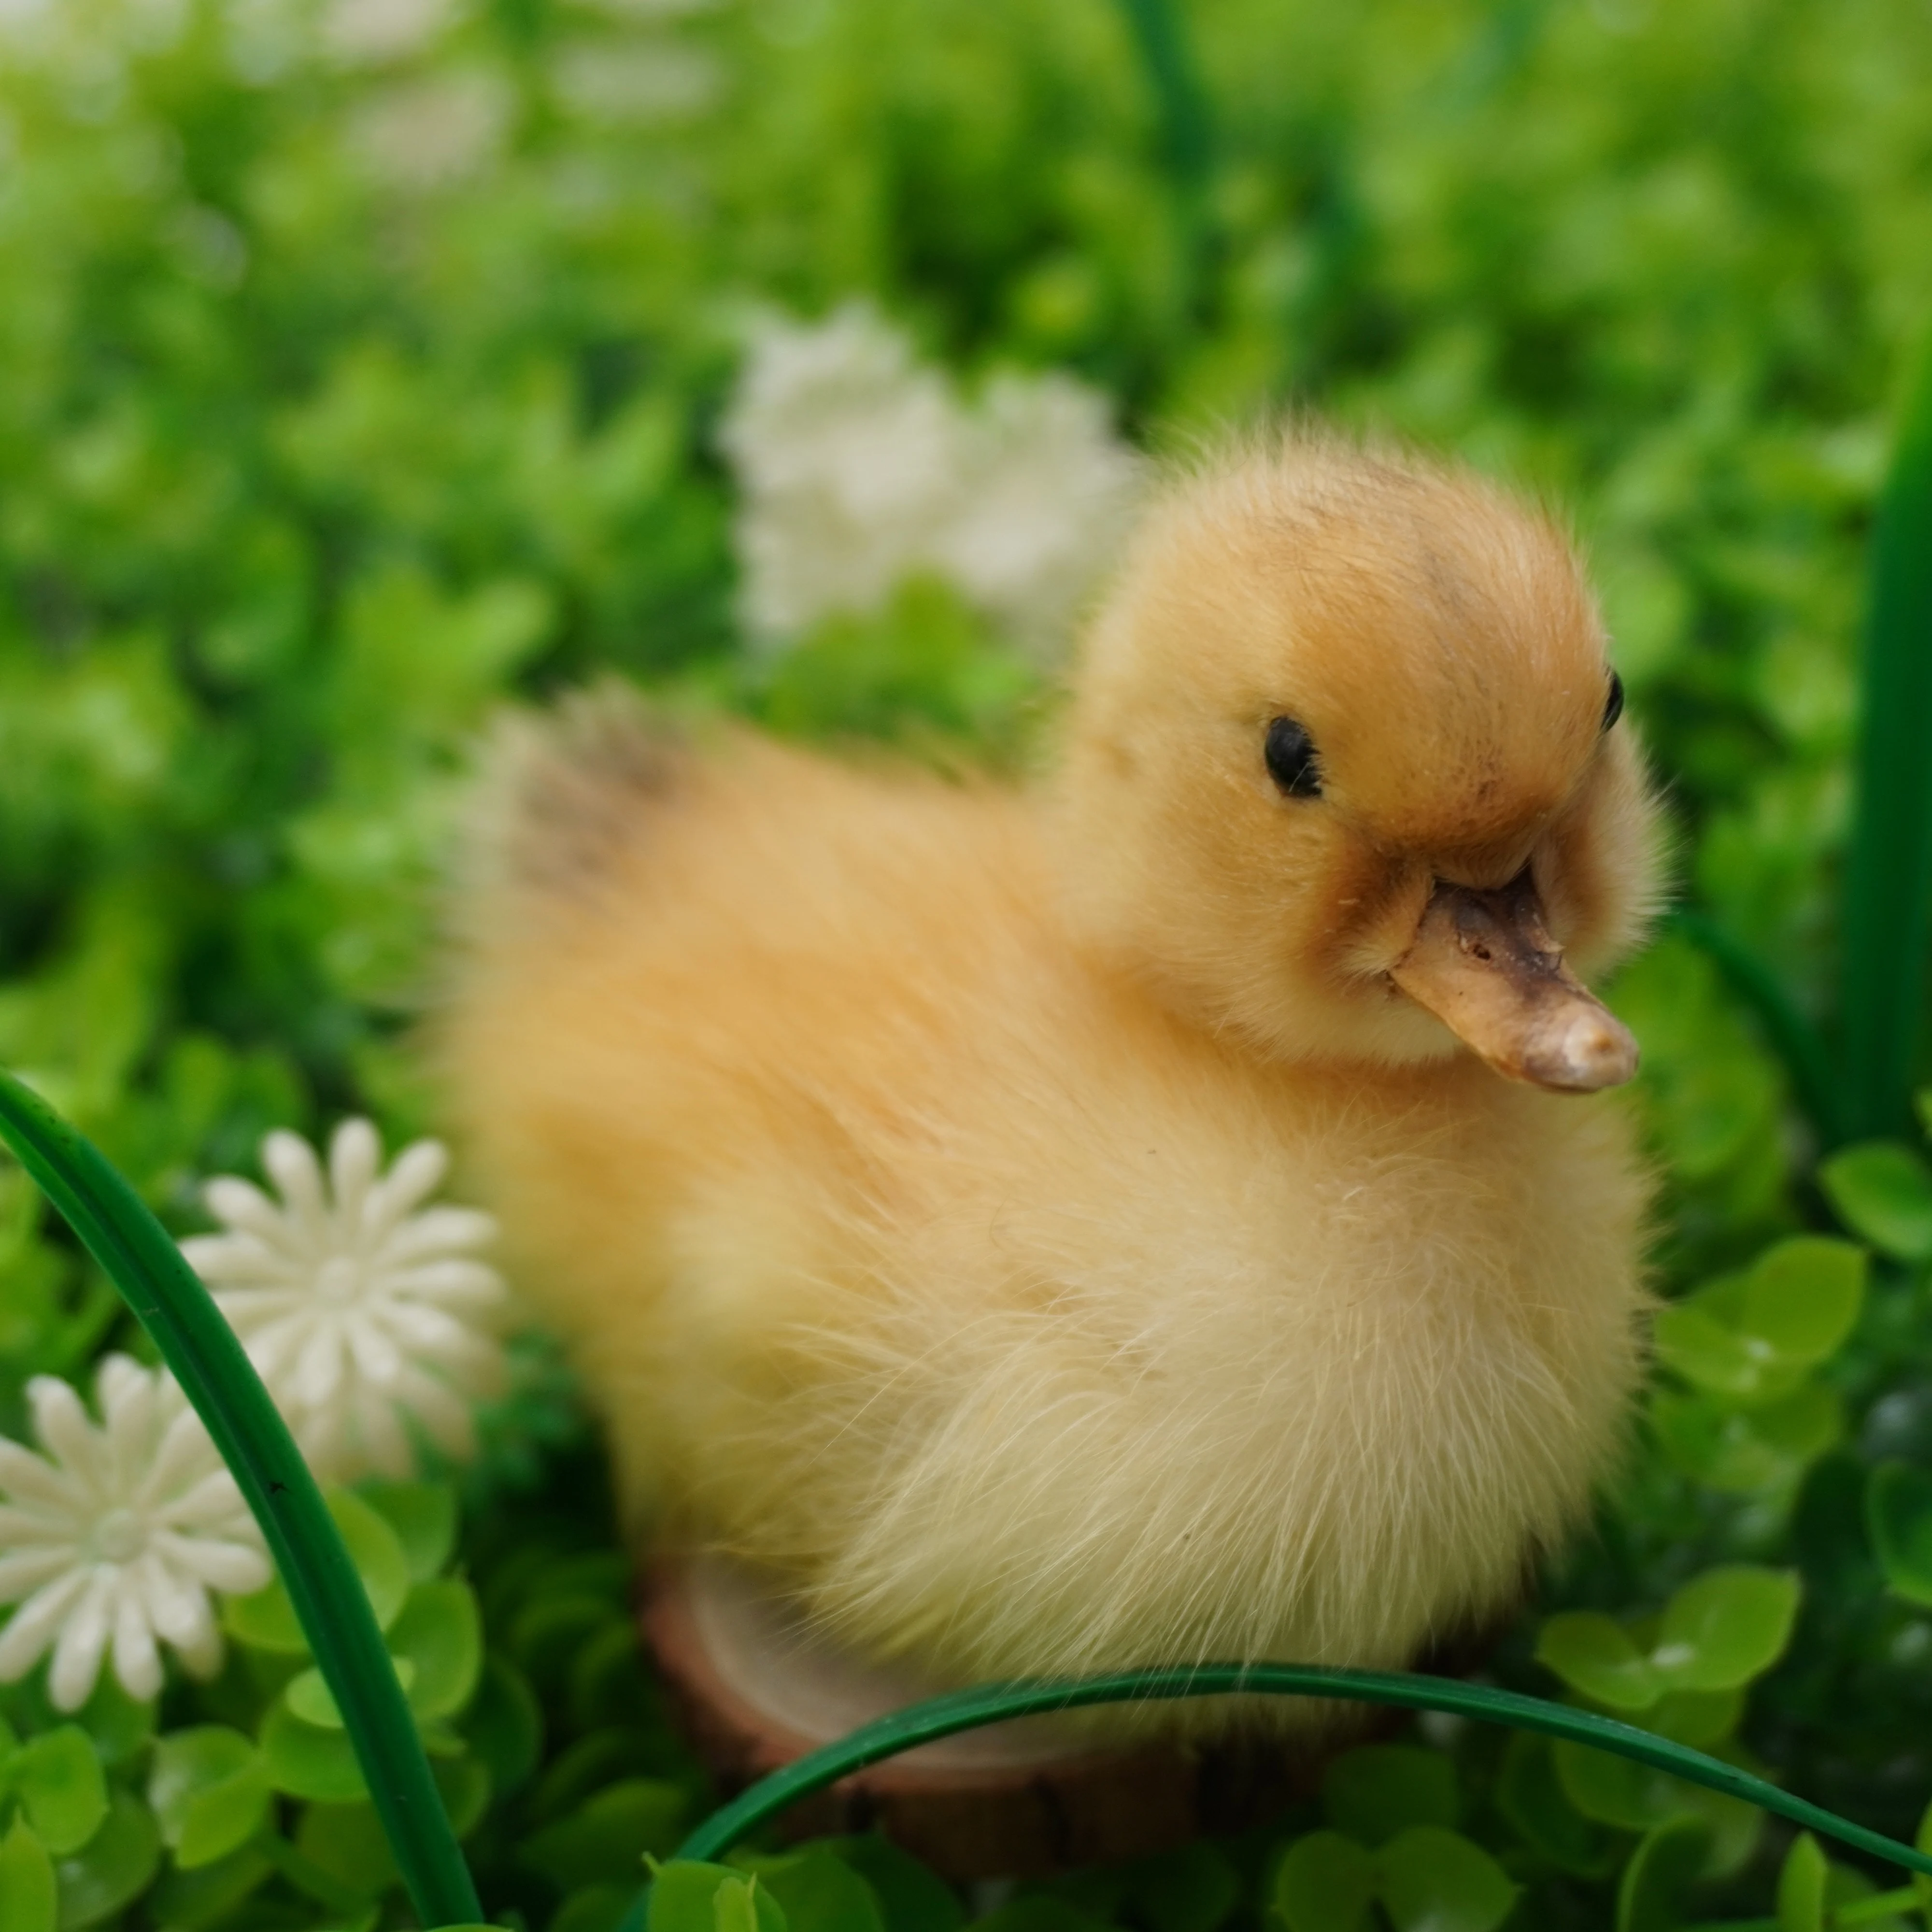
column 564, row 797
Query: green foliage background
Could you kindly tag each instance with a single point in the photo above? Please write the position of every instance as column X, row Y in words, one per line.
column 318, row 440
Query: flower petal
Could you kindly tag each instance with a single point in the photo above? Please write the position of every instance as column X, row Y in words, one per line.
column 60, row 1422
column 318, row 1371
column 454, row 1283
column 241, row 1205
column 34, row 1482
column 417, row 1173
column 23, row 1571
column 32, row 1524
column 137, row 1663
column 433, row 1233
column 177, row 1605
column 238, row 1259
column 290, row 1163
column 83, row 1641
column 36, row 1623
column 184, row 1455
column 355, row 1159
column 201, row 1649
column 378, row 1360
column 226, row 1567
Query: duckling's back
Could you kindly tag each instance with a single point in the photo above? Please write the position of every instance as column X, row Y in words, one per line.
column 909, row 1250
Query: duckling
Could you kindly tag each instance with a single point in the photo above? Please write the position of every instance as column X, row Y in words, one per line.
column 1152, row 1216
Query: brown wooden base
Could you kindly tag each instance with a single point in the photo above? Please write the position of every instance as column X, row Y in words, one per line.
column 756, row 1690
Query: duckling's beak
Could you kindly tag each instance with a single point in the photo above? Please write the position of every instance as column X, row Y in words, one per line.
column 1484, row 965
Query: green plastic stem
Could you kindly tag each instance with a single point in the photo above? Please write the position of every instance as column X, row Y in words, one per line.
column 1887, row 921
column 1797, row 1043
column 991, row 1704
column 138, row 1256
column 1187, row 127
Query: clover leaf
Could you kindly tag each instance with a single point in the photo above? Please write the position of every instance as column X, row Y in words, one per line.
column 210, row 1791
column 1751, row 1337
column 1883, row 1191
column 687, row 1896
column 57, row 1776
column 265, row 1620
column 28, row 1896
column 1898, row 1518
column 1427, row 1878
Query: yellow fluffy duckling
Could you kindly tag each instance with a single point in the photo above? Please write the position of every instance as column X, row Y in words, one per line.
column 1146, row 1219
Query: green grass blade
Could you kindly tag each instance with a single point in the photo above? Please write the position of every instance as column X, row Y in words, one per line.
column 1887, row 921
column 966, row 1710
column 138, row 1256
column 1186, row 121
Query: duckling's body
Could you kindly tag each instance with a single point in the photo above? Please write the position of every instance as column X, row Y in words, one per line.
column 1030, row 1302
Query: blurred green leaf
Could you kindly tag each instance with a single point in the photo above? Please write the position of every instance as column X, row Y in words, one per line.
column 1726, row 1627
column 266, row 1620
column 1801, row 1886
column 1742, row 1452
column 1373, row 1793
column 1532, row 1798
column 1594, row 1654
column 605, row 1841
column 1194, row 1888
column 1883, row 1191
column 910, row 1896
column 818, row 1892
column 114, row 1866
column 210, row 1792
column 423, row 1517
column 504, row 1724
column 57, row 1776
column 1326, row 1884
column 1750, row 1338
column 1898, row 1518
column 309, row 1760
column 1433, row 1880
column 348, row 1843
column 1657, row 1882
column 27, row 1892
column 684, row 1896
column 438, row 1635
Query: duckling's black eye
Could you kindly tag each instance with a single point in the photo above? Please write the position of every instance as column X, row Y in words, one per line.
column 1613, row 705
column 1291, row 762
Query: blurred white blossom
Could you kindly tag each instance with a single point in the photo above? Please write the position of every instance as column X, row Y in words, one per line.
column 359, row 1306
column 115, row 1533
column 653, row 81
column 370, row 33
column 429, row 134
column 859, row 467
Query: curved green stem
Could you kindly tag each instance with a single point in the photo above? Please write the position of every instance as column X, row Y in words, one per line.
column 966, row 1710
column 136, row 1254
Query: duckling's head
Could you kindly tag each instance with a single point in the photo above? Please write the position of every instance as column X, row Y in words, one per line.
column 1346, row 773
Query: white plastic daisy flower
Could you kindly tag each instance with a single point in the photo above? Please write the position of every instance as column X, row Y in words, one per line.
column 359, row 1306
column 115, row 1533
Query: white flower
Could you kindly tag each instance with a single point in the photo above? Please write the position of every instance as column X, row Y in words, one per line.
column 848, row 455
column 358, row 33
column 859, row 468
column 656, row 81
column 362, row 1310
column 1045, row 505
column 431, row 133
column 116, row 1534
